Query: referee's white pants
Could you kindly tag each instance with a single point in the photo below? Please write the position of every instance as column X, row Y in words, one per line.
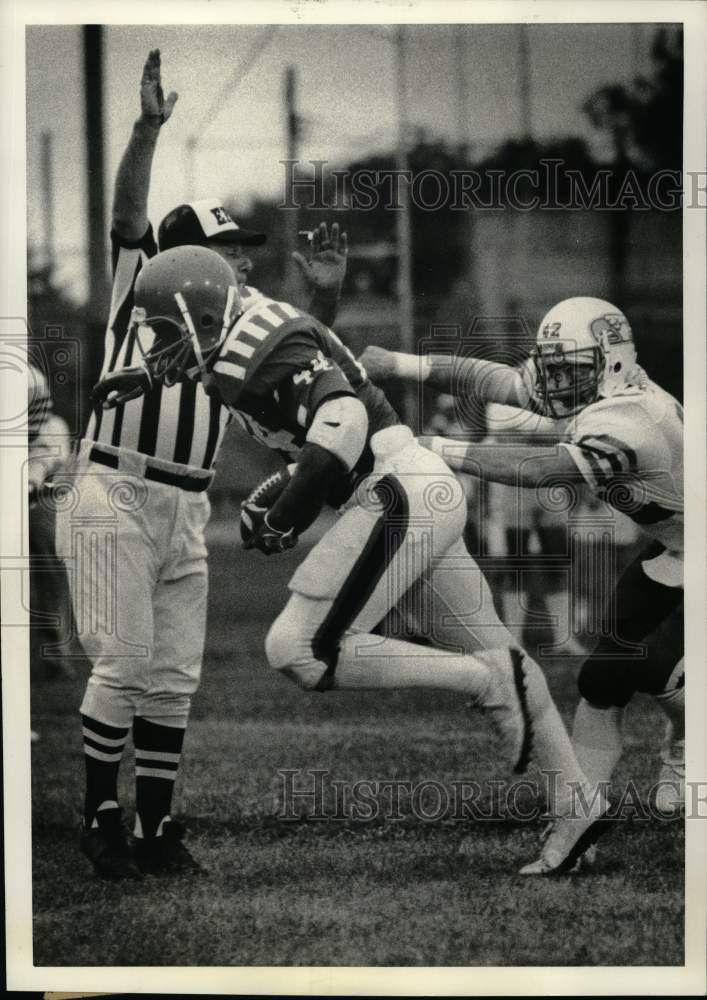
column 136, row 562
column 360, row 570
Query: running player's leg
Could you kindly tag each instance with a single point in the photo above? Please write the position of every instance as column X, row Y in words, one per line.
column 361, row 569
column 464, row 617
column 624, row 662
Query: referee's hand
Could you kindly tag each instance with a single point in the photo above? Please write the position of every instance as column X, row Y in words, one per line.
column 156, row 108
column 120, row 387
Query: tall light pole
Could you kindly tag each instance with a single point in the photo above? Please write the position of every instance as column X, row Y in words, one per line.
column 95, row 167
column 526, row 119
column 190, row 167
column 291, row 215
column 462, row 90
column 406, row 310
column 47, row 165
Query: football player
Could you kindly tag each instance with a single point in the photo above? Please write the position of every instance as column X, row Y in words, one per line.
column 622, row 435
column 49, row 450
column 295, row 387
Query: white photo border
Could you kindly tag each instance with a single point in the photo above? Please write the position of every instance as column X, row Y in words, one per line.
column 21, row 974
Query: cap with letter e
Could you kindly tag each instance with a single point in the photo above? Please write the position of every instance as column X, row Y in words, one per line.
column 200, row 222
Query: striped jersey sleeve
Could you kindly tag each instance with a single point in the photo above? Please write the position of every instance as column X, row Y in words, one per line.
column 609, row 447
column 180, row 425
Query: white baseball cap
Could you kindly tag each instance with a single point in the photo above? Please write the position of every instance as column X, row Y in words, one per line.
column 199, row 222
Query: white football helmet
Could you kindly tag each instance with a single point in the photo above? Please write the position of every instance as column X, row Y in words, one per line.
column 584, row 351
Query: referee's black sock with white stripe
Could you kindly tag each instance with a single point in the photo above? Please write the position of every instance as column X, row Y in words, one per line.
column 157, row 752
column 103, row 747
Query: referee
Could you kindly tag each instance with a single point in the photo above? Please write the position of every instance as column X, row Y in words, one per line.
column 144, row 466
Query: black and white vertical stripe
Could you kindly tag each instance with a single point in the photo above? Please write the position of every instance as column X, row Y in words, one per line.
column 181, row 424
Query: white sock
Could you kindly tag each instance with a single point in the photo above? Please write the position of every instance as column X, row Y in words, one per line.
column 598, row 740
column 372, row 661
column 552, row 750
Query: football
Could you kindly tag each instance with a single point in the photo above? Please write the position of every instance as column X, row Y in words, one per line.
column 261, row 499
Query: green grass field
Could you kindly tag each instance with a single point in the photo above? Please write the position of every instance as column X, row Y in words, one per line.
column 340, row 891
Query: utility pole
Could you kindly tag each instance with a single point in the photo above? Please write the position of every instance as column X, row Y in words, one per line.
column 95, row 168
column 190, row 167
column 291, row 215
column 463, row 146
column 47, row 168
column 636, row 51
column 462, row 90
column 526, row 120
column 406, row 312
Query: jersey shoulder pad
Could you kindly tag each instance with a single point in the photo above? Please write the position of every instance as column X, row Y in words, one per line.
column 619, row 425
column 255, row 335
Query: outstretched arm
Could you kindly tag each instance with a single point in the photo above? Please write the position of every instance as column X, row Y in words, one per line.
column 132, row 183
column 525, row 466
column 486, row 381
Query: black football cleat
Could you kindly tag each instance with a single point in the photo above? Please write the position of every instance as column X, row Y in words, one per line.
column 166, row 855
column 107, row 847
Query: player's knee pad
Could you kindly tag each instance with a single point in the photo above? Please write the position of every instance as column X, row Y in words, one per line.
column 606, row 683
column 288, row 649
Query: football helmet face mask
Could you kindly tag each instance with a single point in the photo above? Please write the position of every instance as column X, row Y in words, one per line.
column 584, row 351
column 186, row 301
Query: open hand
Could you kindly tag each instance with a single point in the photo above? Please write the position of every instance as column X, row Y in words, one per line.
column 324, row 268
column 120, row 387
column 155, row 106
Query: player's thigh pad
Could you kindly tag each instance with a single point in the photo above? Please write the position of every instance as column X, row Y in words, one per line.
column 452, row 606
column 324, row 570
column 411, row 508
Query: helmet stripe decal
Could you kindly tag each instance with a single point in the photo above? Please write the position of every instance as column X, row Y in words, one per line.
column 230, row 298
column 184, row 310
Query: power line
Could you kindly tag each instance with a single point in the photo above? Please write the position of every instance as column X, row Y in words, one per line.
column 239, row 74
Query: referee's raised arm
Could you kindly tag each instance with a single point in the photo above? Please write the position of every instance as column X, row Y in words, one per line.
column 132, row 184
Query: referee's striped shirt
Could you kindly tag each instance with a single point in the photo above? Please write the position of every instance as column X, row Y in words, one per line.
column 179, row 425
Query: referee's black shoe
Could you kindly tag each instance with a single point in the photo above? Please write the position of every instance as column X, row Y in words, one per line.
column 166, row 855
column 107, row 846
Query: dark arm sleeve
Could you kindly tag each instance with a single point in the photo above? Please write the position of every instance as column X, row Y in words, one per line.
column 145, row 246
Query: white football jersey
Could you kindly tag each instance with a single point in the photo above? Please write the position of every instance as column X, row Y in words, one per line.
column 629, row 449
